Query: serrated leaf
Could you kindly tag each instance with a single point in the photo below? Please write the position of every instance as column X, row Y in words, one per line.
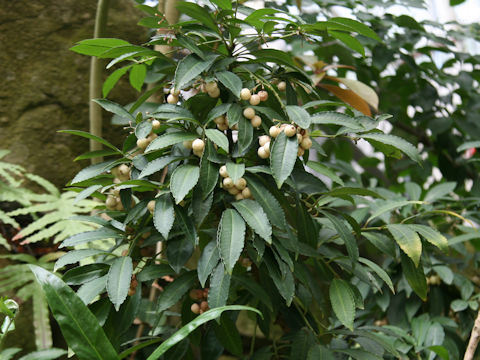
column 169, row 139
column 88, row 236
column 230, row 238
column 195, row 11
column 348, row 40
column 319, row 352
column 255, row 217
column 163, row 215
column 283, row 157
column 112, row 79
column 346, row 235
column 118, row 280
column 343, row 303
column 207, row 262
column 389, row 206
column 208, row 176
column 143, row 129
column 91, row 137
column 234, row 114
column 183, row 179
column 74, row 256
column 179, row 250
column 431, row 235
column 397, row 142
column 255, row 289
column 408, row 240
column 439, row 191
column 175, row 291
column 324, row 170
column 219, row 287
column 186, row 224
column 154, row 271
column 382, row 274
column 235, row 171
column 415, row 277
column 357, row 26
column 92, row 171
column 245, row 134
column 231, row 81
column 298, row 115
column 114, row 108
column 190, row 67
column 157, row 165
column 336, row 118
column 218, row 138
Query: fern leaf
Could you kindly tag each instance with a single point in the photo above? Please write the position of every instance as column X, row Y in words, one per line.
column 47, row 185
column 41, row 319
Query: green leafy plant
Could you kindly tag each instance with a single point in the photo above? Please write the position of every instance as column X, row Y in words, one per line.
column 240, row 189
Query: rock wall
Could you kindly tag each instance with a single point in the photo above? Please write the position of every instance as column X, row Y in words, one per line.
column 45, row 86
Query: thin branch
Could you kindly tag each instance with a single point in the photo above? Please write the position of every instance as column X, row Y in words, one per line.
column 474, row 339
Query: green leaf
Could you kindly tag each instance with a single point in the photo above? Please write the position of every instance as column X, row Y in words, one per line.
column 188, row 43
column 415, row 277
column 439, row 191
column 218, row 138
column 389, row 206
column 197, row 12
column 208, row 176
column 154, row 271
column 397, row 142
column 319, row 352
column 112, row 79
column 231, row 81
column 224, row 4
column 175, row 291
column 431, row 235
column 88, row 236
column 346, row 235
column 268, row 202
column 118, row 280
column 163, row 215
column 219, row 287
column 190, row 67
column 114, row 108
column 194, row 324
column 299, row 116
column 47, row 354
column 235, row 171
column 186, row 223
column 137, row 76
column 408, row 240
column 348, row 40
column 207, row 262
column 283, row 157
column 74, row 256
column 255, row 217
column 245, row 134
column 91, row 137
column 93, row 170
column 343, row 302
column 234, row 114
column 169, row 139
column 96, row 47
column 468, row 145
column 257, row 291
column 95, row 154
column 382, row 274
column 357, row 26
column 324, row 170
column 79, row 326
column 179, row 250
column 82, row 274
column 336, row 118
column 157, row 165
column 183, row 179
column 230, row 238
column 143, row 129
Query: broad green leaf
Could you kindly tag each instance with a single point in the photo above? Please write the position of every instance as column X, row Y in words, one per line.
column 143, row 129
column 408, row 240
column 218, row 138
column 95, row 154
column 255, row 217
column 190, row 44
column 194, row 324
column 283, row 157
column 282, row 277
column 415, row 277
column 179, row 250
column 190, row 67
column 326, row 171
column 231, row 81
column 186, row 224
column 218, row 111
column 74, row 256
column 382, row 274
column 197, row 12
column 154, row 271
column 183, row 179
column 268, row 202
column 336, row 118
column 137, row 76
column 439, row 191
column 163, row 215
column 441, row 351
column 468, row 145
column 228, row 335
column 343, row 303
column 357, row 26
column 157, row 165
column 114, row 108
column 348, row 40
column 224, row 4
column 174, row 291
column 93, row 170
column 118, row 280
column 208, row 176
column 79, row 326
column 95, row 47
column 47, row 354
column 91, row 137
column 359, row 354
column 219, row 287
column 319, row 352
column 207, row 262
column 245, row 134
column 82, row 274
column 82, row 195
column 346, row 235
column 230, row 238
column 397, row 142
column 169, row 139
column 234, row 114
column 235, row 171
column 255, row 289
column 112, row 79
column 299, row 116
column 201, row 207
column 88, row 236
column 389, row 206
column 431, row 235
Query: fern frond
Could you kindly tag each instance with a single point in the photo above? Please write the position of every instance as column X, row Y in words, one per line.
column 41, row 223
column 41, row 319
column 8, row 220
column 44, row 183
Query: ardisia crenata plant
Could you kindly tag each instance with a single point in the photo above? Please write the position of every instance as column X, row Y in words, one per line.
column 219, row 200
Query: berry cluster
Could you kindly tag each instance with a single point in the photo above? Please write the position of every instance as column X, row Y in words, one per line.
column 197, row 145
column 199, row 295
column 253, row 99
column 238, row 188
column 222, row 123
column 290, row 130
column 143, row 143
column 121, row 173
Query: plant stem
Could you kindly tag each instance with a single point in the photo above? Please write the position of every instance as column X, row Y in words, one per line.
column 95, row 91
column 474, row 339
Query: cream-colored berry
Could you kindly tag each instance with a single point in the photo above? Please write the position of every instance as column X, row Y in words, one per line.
column 119, row 206
column 214, row 93
column 151, row 137
column 151, row 206
column 219, row 120
column 306, row 143
column 211, row 86
column 299, row 138
column 172, row 99
column 245, row 94
column 174, row 92
column 198, row 145
column 256, row 121
column 156, row 124
column 198, row 153
column 262, row 153
column 300, row 151
column 188, row 144
column 290, row 130
column 274, row 131
column 254, row 100
column 222, row 127
column 282, row 86
column 223, row 171
column 111, row 202
column 247, row 194
column 124, row 169
column 241, row 183
column 262, row 140
column 263, row 95
column 227, row 183
column 249, row 113
column 266, row 147
column 233, row 191
column 195, row 308
column 239, row 196
column 143, row 143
